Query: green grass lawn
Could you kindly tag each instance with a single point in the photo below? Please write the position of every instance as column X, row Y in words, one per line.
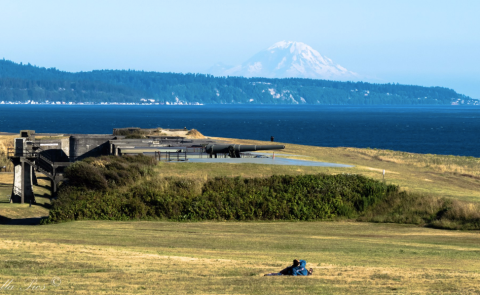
column 231, row 257
column 19, row 211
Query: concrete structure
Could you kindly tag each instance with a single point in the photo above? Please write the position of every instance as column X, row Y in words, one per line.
column 50, row 155
column 23, row 163
column 89, row 145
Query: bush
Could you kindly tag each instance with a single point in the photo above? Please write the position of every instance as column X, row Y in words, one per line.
column 83, row 174
column 307, row 197
column 425, row 210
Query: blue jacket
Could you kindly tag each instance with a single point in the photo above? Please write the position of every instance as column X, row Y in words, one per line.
column 300, row 270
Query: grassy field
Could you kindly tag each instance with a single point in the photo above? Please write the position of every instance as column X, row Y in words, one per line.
column 155, row 257
column 217, row 258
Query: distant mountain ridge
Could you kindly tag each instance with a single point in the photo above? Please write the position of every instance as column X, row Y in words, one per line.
column 287, row 59
column 24, row 83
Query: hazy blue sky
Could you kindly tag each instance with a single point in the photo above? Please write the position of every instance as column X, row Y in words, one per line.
column 423, row 42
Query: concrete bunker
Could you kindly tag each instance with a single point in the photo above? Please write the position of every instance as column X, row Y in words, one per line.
column 51, row 154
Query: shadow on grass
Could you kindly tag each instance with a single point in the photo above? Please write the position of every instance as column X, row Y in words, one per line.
column 45, row 186
column 21, row 221
column 42, row 201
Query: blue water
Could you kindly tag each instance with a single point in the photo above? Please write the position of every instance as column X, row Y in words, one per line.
column 421, row 129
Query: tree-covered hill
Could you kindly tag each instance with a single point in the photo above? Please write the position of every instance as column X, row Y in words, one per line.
column 27, row 83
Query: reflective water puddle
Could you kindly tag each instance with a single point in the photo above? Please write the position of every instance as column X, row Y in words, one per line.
column 268, row 161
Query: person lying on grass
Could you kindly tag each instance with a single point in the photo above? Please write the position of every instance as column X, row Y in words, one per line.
column 297, row 269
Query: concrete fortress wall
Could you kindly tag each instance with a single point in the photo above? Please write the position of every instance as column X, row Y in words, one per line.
column 61, row 143
column 57, row 150
column 83, row 146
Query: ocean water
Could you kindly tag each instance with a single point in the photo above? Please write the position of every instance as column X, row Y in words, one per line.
column 452, row 130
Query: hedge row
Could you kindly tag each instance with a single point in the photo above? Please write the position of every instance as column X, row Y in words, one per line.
column 305, row 197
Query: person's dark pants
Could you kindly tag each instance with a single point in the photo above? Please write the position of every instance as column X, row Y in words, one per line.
column 287, row 271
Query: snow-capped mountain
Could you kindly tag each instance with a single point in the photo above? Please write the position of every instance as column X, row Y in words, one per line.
column 287, row 59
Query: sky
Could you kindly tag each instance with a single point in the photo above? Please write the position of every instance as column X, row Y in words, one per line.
column 421, row 42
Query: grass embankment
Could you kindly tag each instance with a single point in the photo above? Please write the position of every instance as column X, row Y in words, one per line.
column 231, row 257
column 123, row 188
column 439, row 175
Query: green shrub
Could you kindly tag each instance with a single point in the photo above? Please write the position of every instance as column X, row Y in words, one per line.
column 115, row 188
column 306, row 197
column 83, row 174
column 425, row 210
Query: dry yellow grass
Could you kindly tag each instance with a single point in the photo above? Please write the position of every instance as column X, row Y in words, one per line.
column 6, row 142
column 469, row 166
column 6, row 182
column 6, row 178
column 231, row 258
column 194, row 133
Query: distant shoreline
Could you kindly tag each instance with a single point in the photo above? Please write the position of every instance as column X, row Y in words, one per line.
column 229, row 104
column 436, row 129
column 93, row 103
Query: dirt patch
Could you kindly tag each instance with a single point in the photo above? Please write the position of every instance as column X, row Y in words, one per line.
column 194, row 134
